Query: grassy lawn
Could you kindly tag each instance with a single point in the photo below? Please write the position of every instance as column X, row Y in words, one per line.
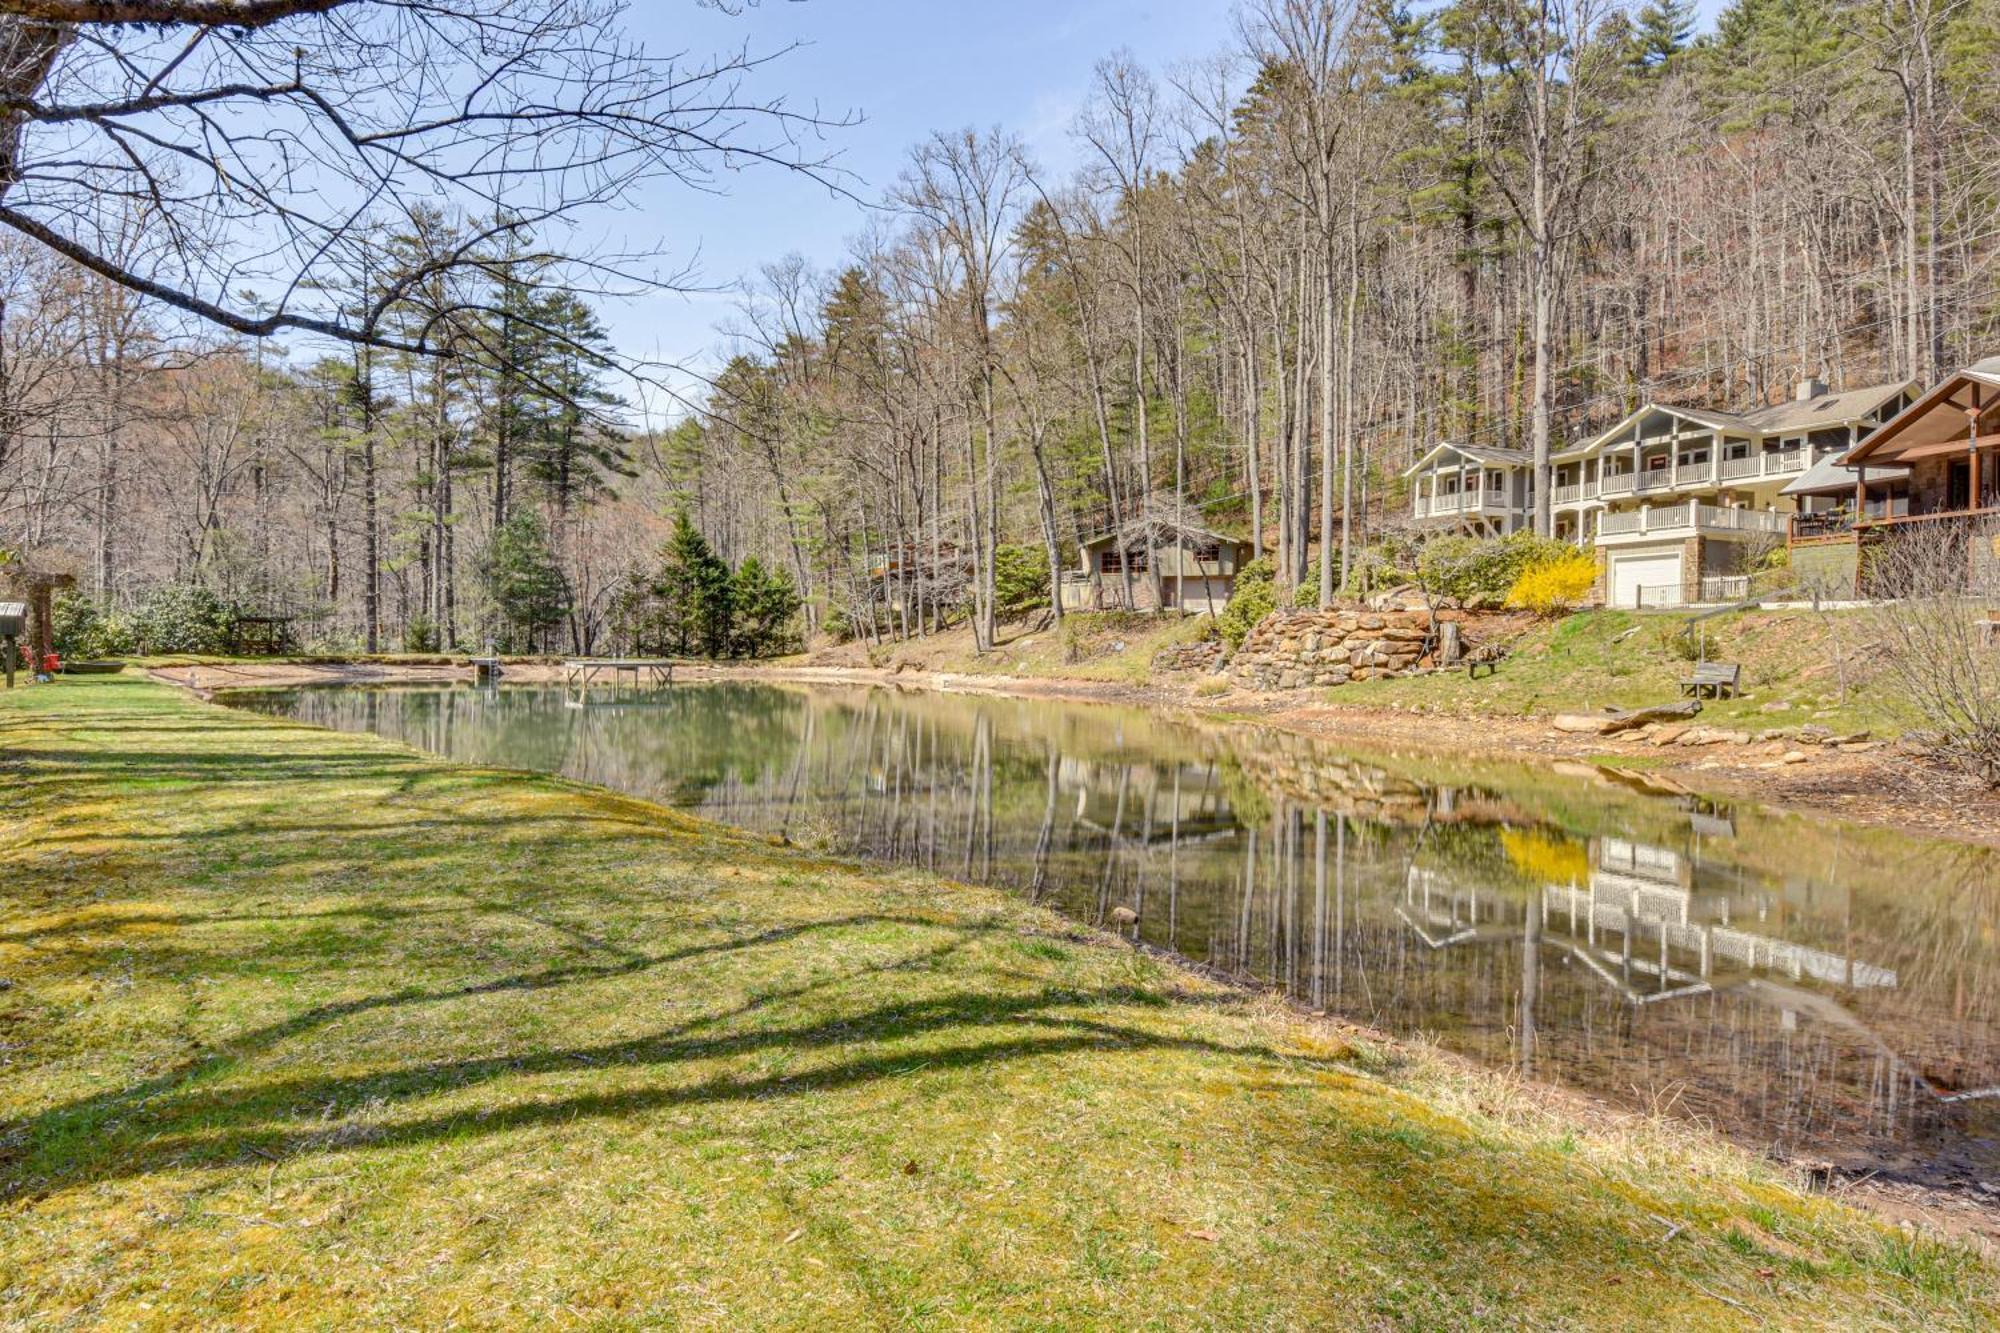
column 308, row 1029
column 1626, row 658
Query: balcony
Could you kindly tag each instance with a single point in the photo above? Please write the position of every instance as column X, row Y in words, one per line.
column 1687, row 520
column 1493, row 503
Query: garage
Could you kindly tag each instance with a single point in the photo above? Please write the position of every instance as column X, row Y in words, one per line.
column 1210, row 594
column 1652, row 579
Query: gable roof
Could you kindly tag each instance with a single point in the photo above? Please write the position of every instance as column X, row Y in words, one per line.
column 1491, row 455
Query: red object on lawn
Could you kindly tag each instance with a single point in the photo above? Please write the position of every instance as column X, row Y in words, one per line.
column 51, row 663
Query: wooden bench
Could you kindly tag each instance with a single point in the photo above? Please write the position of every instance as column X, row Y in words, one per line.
column 1721, row 679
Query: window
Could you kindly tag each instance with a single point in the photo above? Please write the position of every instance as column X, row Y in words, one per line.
column 1207, row 553
column 1112, row 563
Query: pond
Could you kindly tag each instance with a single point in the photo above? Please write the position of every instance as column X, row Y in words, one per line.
column 1805, row 986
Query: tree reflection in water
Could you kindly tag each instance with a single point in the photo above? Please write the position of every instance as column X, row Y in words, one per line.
column 1798, row 983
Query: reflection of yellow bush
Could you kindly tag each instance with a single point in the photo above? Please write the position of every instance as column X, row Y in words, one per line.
column 1555, row 584
column 1546, row 860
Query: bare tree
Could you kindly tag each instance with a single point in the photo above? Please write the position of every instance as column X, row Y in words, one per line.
column 1938, row 581
column 261, row 135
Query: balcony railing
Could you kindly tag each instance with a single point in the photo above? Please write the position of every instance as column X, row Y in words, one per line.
column 1690, row 517
column 1467, row 502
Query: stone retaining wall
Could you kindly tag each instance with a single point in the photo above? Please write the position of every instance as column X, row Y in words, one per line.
column 1290, row 650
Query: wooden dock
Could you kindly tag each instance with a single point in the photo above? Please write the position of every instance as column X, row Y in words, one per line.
column 621, row 679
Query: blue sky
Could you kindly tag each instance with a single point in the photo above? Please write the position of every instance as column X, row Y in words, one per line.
column 906, row 67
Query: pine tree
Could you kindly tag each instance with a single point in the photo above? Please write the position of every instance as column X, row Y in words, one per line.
column 528, row 586
column 692, row 595
column 1661, row 30
column 764, row 601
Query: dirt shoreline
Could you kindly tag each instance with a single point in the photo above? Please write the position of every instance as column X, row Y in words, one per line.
column 1877, row 784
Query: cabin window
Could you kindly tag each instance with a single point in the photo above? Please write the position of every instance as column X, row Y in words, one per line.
column 1113, row 563
column 1207, row 553
column 1694, row 457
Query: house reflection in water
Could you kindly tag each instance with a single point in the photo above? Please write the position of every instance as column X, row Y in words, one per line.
column 1796, row 984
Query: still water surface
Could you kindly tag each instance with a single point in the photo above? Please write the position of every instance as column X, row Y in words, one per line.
column 1800, row 984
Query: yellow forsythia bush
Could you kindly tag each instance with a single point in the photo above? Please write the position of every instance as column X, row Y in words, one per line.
column 1554, row 585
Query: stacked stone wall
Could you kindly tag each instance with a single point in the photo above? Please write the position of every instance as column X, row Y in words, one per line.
column 1291, row 650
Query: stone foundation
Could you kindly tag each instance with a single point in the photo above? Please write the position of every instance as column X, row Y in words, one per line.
column 1292, row 650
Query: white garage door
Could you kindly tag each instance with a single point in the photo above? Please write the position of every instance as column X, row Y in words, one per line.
column 1646, row 580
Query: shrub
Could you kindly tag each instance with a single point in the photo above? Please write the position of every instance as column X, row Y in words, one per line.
column 1020, row 578
column 1471, row 569
column 1555, row 585
column 1255, row 597
column 183, row 618
column 421, row 635
column 84, row 629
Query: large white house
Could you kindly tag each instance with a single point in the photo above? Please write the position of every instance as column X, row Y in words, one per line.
column 1680, row 501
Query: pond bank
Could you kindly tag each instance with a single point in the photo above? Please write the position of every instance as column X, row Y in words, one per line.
column 1877, row 784
column 313, row 1024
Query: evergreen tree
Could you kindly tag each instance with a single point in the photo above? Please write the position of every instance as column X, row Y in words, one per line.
column 692, row 595
column 1661, row 30
column 764, row 601
column 528, row 585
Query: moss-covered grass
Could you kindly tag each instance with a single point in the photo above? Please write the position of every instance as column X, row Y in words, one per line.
column 1625, row 658
column 308, row 1029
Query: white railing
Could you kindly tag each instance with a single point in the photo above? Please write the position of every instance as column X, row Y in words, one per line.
column 1725, row 587
column 1618, row 483
column 1690, row 517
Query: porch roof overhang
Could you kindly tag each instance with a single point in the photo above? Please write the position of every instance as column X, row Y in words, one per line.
column 1937, row 423
column 1830, row 476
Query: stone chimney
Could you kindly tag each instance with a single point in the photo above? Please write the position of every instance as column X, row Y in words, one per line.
column 1808, row 389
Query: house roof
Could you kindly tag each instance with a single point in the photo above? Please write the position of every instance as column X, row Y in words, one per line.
column 1832, row 408
column 1188, row 533
column 1922, row 428
column 1478, row 453
column 1826, row 409
column 1830, row 476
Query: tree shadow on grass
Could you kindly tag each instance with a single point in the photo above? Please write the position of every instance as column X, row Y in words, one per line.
column 185, row 1118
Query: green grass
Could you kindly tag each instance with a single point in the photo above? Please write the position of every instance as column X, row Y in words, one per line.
column 310, row 1030
column 1624, row 658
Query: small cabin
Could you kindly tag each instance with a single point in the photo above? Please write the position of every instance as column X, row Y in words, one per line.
column 1189, row 570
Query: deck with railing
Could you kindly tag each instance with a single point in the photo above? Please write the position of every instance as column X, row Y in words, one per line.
column 1692, row 517
column 1686, row 476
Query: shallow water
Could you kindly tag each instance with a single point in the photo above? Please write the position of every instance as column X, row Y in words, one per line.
column 1803, row 985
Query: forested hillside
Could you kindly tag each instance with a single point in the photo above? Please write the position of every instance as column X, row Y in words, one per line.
column 1275, row 278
